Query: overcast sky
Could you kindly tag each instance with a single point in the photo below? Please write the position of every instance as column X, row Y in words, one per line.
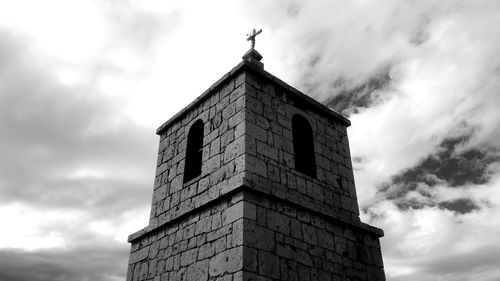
column 84, row 85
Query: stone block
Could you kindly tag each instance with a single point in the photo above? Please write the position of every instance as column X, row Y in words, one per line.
column 152, row 268
column 228, row 261
column 139, row 255
column 325, row 239
column 189, row 231
column 262, row 122
column 206, row 251
column 227, row 137
column 278, row 222
column 254, row 105
column 289, row 271
column 309, row 234
column 237, row 233
column 204, row 225
column 234, row 149
column 216, row 220
column 189, row 191
column 203, row 184
column 159, row 193
column 273, row 173
column 340, row 244
column 198, row 271
column 216, row 234
column 249, row 211
column 143, row 274
column 153, row 249
column 211, row 164
column 169, row 263
column 257, row 236
column 215, row 147
column 236, row 119
column 267, row 150
column 176, row 184
column 269, row 265
column 262, row 216
column 250, row 259
column 256, row 132
column 220, row 244
column 295, row 228
column 232, row 213
column 218, row 176
column 256, row 165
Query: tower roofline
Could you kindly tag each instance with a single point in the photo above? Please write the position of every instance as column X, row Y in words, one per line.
column 255, row 67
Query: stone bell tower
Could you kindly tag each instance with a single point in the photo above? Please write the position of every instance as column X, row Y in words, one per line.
column 254, row 182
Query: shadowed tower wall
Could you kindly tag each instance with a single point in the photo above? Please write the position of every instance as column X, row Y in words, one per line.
column 254, row 182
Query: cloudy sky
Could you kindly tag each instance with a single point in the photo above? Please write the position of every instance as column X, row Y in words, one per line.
column 84, row 85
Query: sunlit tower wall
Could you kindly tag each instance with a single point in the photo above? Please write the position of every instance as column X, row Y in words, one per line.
column 254, row 182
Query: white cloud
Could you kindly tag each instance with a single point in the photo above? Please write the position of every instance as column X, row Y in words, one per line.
column 437, row 88
column 431, row 243
column 23, row 227
column 72, row 31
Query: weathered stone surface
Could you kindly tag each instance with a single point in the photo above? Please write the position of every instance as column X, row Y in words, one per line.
column 258, row 237
column 204, row 225
column 189, row 257
column 139, row 255
column 232, row 213
column 234, row 149
column 206, row 251
column 227, row 261
column 250, row 214
column 309, row 234
column 269, row 264
column 278, row 222
column 197, row 271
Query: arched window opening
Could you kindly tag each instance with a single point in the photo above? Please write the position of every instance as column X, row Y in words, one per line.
column 303, row 146
column 194, row 151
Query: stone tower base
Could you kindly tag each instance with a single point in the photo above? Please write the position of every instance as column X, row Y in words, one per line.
column 249, row 236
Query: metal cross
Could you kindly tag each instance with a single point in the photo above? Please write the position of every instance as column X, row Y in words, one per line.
column 251, row 36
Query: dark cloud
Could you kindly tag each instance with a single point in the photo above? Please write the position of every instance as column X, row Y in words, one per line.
column 461, row 206
column 448, row 166
column 101, row 262
column 350, row 99
column 456, row 168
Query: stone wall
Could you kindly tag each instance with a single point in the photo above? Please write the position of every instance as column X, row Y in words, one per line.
column 223, row 114
column 202, row 246
column 248, row 236
column 270, row 164
column 248, row 140
column 283, row 241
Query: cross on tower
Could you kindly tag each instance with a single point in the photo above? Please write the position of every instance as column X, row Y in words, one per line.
column 251, row 36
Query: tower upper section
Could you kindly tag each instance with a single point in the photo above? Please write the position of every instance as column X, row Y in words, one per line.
column 250, row 130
